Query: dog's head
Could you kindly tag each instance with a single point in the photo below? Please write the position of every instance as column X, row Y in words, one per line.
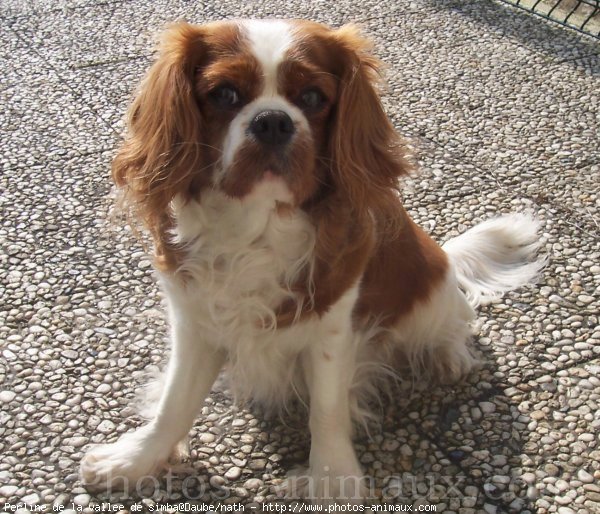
column 235, row 104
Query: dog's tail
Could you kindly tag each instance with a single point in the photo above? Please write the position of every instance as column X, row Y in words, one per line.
column 495, row 256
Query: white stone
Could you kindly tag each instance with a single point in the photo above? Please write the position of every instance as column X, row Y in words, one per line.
column 106, row 426
column 487, row 407
column 233, row 473
column 82, row 500
column 7, row 396
column 207, row 438
column 585, row 477
column 8, row 490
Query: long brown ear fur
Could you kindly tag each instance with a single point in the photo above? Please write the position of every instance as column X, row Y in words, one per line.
column 162, row 149
column 368, row 155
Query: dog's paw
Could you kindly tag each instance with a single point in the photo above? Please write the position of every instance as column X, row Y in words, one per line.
column 125, row 464
column 449, row 365
column 325, row 485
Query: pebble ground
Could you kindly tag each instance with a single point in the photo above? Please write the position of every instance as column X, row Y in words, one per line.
column 503, row 109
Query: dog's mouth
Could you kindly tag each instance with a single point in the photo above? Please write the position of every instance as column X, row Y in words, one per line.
column 291, row 167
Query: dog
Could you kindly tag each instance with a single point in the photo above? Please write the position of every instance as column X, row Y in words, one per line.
column 261, row 161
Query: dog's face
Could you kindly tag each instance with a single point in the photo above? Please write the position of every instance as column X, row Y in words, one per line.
column 235, row 104
column 266, row 94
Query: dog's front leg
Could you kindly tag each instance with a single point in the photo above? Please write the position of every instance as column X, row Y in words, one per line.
column 192, row 369
column 334, row 471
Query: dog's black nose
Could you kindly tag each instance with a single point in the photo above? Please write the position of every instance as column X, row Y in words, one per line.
column 273, row 128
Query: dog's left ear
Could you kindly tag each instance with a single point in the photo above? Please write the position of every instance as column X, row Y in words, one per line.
column 367, row 154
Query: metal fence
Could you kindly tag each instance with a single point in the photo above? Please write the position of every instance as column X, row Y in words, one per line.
column 581, row 15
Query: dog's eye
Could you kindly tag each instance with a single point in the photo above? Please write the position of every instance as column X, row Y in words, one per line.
column 225, row 97
column 312, row 99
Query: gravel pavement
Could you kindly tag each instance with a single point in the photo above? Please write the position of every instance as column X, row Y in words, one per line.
column 504, row 111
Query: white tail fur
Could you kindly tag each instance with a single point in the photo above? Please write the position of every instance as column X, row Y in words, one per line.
column 495, row 256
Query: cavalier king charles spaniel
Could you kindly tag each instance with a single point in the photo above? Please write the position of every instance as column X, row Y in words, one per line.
column 261, row 160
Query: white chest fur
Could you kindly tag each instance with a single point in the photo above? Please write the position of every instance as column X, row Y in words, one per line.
column 242, row 256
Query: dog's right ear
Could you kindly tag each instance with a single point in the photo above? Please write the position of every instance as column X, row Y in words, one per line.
column 368, row 156
column 161, row 149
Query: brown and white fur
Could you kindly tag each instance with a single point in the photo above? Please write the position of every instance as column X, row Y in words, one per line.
column 281, row 242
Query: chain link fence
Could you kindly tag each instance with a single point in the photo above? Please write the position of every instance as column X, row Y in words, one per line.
column 581, row 15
